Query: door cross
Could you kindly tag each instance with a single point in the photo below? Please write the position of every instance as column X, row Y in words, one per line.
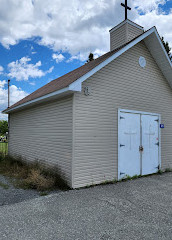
column 130, row 134
column 150, row 133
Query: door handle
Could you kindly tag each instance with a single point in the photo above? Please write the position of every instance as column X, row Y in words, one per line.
column 141, row 148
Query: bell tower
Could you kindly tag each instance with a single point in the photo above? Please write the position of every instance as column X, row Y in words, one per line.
column 125, row 31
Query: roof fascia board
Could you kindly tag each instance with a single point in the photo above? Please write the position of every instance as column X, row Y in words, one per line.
column 122, row 23
column 76, row 88
column 61, row 91
column 110, row 59
column 159, row 39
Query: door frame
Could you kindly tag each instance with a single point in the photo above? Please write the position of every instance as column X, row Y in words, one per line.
column 120, row 110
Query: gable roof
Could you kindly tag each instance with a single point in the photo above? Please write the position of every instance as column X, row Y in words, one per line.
column 72, row 81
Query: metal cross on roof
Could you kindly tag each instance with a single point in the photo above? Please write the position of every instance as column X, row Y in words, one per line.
column 126, row 8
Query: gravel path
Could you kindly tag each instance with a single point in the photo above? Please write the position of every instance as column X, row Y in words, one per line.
column 10, row 195
column 138, row 209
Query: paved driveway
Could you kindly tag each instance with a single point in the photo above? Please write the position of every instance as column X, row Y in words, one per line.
column 138, row 209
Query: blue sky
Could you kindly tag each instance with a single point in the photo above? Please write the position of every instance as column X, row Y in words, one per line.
column 36, row 52
column 167, row 7
column 41, row 40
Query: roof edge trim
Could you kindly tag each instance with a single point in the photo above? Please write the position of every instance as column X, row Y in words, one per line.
column 126, row 21
column 157, row 35
column 61, row 91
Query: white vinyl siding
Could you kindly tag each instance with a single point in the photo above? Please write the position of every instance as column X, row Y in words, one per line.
column 120, row 84
column 123, row 34
column 44, row 133
column 133, row 32
column 118, row 37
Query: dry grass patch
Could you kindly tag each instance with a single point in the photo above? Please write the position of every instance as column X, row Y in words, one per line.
column 37, row 180
column 31, row 176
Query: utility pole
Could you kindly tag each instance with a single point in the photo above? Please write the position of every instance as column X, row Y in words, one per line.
column 8, row 107
column 8, row 93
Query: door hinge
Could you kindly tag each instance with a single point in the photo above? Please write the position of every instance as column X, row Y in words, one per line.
column 121, row 173
column 122, row 117
column 157, row 144
column 122, row 145
column 158, row 167
column 141, row 148
column 157, row 120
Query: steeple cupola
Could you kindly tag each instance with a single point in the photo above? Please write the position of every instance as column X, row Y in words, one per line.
column 124, row 33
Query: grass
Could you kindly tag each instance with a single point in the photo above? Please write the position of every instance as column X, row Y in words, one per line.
column 43, row 193
column 3, row 185
column 31, row 176
column 4, row 148
column 128, row 178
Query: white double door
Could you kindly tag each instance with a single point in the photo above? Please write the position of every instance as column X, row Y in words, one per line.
column 138, row 144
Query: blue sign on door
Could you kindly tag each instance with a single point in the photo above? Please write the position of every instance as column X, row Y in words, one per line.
column 161, row 125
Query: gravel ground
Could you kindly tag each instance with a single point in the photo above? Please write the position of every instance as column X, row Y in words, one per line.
column 137, row 209
column 13, row 195
column 10, row 195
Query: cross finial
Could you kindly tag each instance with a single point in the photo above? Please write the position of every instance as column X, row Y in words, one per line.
column 126, row 8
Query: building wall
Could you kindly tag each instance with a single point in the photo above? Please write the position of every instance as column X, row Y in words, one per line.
column 120, row 84
column 44, row 133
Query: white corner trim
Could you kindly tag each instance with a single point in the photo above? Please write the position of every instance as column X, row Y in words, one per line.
column 124, row 22
column 73, row 141
column 77, row 87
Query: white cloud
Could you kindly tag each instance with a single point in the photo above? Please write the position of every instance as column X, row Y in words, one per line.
column 22, row 69
column 84, row 56
column 32, row 83
column 15, row 95
column 1, row 70
column 32, row 50
column 58, row 57
column 75, row 26
column 50, row 70
column 80, row 56
column 145, row 6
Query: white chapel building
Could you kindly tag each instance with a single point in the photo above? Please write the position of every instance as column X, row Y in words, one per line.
column 106, row 120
